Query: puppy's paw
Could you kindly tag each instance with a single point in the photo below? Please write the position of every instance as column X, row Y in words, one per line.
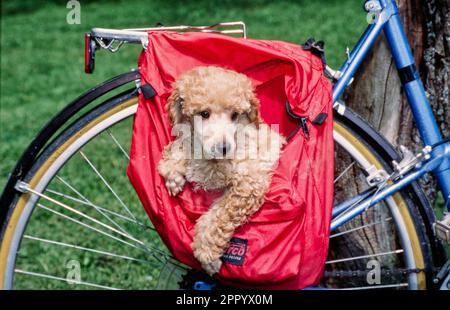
column 212, row 267
column 175, row 183
column 209, row 259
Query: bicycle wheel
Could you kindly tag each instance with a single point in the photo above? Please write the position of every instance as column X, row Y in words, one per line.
column 385, row 247
column 80, row 224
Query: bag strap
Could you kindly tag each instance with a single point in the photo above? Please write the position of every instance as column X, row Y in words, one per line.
column 148, row 91
column 303, row 121
column 317, row 48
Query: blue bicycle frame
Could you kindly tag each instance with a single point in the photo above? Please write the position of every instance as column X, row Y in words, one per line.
column 438, row 162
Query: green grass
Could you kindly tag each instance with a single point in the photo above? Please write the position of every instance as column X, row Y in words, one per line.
column 42, row 71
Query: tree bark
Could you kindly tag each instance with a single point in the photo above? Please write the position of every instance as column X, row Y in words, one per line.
column 376, row 94
column 436, row 65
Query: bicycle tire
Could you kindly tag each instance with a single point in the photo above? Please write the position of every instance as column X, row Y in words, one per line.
column 412, row 209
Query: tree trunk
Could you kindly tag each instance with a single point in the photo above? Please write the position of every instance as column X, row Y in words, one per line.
column 377, row 96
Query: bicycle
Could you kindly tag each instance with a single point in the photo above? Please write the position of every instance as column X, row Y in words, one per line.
column 41, row 188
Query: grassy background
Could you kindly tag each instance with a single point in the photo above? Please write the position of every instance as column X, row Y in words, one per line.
column 42, row 65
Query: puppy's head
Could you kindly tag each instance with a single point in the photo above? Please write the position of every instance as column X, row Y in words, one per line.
column 215, row 101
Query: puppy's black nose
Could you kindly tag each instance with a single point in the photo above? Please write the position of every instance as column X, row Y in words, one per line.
column 224, row 148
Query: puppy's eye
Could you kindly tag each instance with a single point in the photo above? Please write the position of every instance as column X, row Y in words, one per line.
column 234, row 116
column 204, row 114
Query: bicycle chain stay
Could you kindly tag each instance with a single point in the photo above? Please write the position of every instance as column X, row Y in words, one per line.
column 192, row 279
column 364, row 273
column 441, row 275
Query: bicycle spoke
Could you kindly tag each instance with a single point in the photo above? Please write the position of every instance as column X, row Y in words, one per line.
column 374, row 287
column 102, row 232
column 344, row 172
column 71, row 187
column 107, row 184
column 82, row 202
column 119, row 227
column 144, row 246
column 359, row 228
column 90, row 204
column 86, row 216
column 122, row 231
column 41, row 275
column 363, row 256
column 73, row 246
column 88, row 226
column 118, row 144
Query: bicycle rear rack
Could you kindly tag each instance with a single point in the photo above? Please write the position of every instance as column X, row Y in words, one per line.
column 113, row 39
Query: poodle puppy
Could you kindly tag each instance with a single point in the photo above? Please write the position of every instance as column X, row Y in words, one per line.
column 222, row 144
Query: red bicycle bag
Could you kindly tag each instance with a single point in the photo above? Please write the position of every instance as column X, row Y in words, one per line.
column 284, row 245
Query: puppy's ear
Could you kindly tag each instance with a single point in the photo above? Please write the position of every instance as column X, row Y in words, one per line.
column 254, row 115
column 174, row 107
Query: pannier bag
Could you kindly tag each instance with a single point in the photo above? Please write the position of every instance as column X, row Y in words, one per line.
column 285, row 243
